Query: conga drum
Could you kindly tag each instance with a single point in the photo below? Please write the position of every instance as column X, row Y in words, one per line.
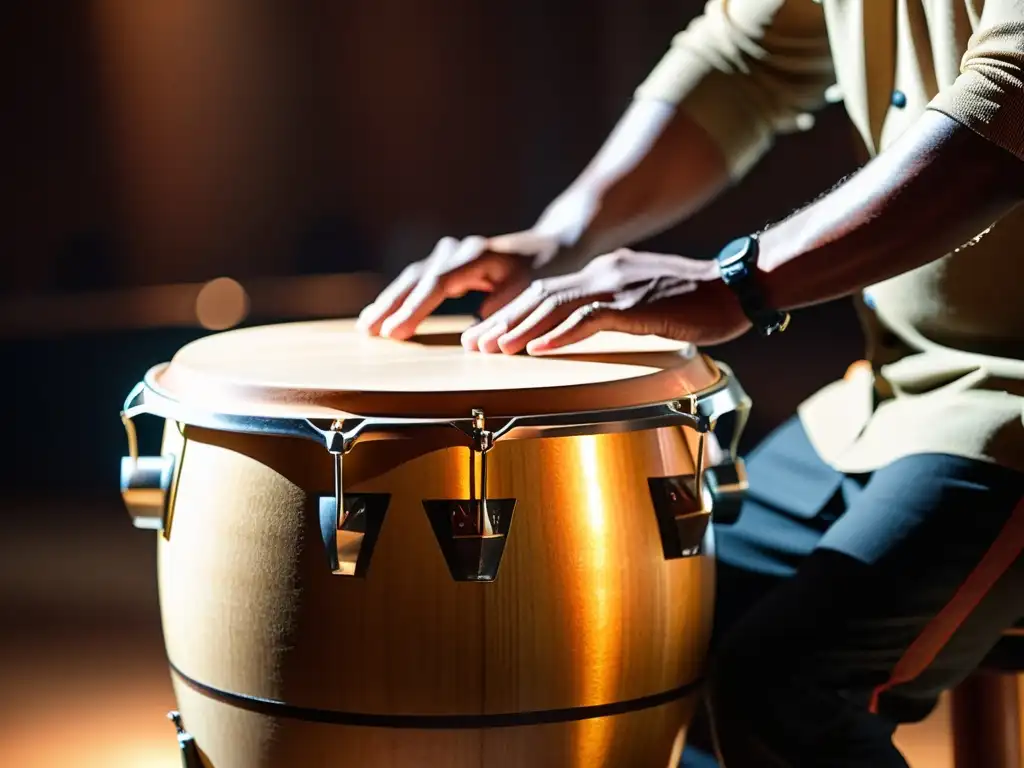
column 385, row 554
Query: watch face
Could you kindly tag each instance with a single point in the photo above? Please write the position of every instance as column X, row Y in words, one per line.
column 732, row 261
column 734, row 252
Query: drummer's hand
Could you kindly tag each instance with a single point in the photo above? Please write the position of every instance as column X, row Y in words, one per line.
column 500, row 266
column 639, row 293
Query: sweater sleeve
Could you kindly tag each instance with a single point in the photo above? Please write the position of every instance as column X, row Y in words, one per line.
column 746, row 70
column 988, row 95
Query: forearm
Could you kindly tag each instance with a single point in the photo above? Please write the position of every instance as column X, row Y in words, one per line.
column 933, row 191
column 656, row 168
column 740, row 73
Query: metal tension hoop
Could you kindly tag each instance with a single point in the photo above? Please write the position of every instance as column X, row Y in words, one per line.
column 349, row 524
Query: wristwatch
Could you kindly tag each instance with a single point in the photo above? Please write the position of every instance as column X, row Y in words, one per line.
column 738, row 264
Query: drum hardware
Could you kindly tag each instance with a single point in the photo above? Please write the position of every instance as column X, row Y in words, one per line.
column 186, row 743
column 700, row 411
column 683, row 516
column 727, row 486
column 727, row 481
column 682, row 507
column 145, row 481
column 240, row 511
column 349, row 523
column 483, row 441
column 684, row 504
column 472, row 532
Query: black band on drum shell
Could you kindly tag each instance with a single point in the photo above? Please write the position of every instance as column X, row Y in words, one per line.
column 273, row 708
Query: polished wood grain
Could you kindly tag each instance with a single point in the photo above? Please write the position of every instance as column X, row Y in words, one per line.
column 585, row 610
column 325, row 368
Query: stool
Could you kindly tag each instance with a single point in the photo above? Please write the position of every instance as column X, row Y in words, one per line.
column 986, row 709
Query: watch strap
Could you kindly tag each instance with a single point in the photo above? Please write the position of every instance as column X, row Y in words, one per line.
column 737, row 263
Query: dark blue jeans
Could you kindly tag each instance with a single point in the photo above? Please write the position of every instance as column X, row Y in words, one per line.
column 846, row 604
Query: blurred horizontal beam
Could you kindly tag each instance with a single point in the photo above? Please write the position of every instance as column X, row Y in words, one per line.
column 176, row 305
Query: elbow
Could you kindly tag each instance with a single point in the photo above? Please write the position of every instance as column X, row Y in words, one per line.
column 988, row 99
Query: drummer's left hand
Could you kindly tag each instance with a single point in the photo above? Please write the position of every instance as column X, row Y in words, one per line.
column 638, row 293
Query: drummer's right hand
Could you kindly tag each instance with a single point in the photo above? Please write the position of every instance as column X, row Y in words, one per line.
column 500, row 266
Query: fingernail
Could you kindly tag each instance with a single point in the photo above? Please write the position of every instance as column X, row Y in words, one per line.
column 508, row 345
column 489, row 343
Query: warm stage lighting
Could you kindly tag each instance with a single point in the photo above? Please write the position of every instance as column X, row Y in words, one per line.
column 221, row 303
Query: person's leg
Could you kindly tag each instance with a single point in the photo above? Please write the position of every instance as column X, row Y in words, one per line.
column 903, row 595
column 794, row 497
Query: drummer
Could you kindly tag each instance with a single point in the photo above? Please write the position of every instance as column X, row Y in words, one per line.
column 877, row 557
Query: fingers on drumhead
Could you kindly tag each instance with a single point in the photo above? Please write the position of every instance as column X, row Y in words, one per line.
column 484, row 336
column 438, row 278
column 538, row 311
column 583, row 323
column 498, row 322
column 547, row 316
column 423, row 299
column 390, row 299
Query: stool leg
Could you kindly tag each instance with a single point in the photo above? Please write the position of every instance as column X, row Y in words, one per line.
column 986, row 722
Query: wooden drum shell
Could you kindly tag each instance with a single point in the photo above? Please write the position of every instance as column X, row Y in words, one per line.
column 586, row 611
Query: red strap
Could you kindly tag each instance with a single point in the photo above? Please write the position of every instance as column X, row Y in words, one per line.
column 938, row 632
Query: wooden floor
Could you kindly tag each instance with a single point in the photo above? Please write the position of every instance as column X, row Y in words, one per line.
column 84, row 682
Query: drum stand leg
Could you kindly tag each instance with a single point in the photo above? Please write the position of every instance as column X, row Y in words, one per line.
column 186, row 743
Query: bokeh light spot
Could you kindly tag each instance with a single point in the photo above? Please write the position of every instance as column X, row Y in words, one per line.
column 221, row 304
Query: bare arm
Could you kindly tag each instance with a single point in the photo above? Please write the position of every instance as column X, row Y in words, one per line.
column 656, row 168
column 933, row 191
column 739, row 74
column 954, row 173
column 927, row 195
column 957, row 170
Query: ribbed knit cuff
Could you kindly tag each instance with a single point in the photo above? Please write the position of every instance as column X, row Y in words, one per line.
column 991, row 106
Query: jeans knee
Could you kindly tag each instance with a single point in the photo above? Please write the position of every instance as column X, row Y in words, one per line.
column 746, row 697
column 739, row 677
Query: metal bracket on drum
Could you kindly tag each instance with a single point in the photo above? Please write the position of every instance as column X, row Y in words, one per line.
column 145, row 480
column 726, row 413
column 686, row 504
column 683, row 511
column 727, row 486
column 472, row 532
column 349, row 524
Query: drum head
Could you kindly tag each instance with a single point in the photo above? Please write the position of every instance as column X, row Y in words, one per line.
column 328, row 368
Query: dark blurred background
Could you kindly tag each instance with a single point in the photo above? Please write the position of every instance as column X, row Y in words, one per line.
column 173, row 168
